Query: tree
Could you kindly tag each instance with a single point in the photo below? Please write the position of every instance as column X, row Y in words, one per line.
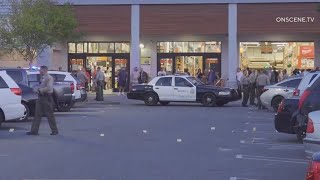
column 30, row 26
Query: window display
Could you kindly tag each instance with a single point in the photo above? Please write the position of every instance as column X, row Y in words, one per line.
column 281, row 55
column 189, row 47
column 99, row 47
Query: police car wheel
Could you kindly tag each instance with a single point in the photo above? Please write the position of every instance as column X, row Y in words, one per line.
column 150, row 99
column 164, row 103
column 26, row 112
column 209, row 100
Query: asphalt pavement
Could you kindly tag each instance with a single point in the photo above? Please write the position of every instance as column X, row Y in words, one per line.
column 120, row 139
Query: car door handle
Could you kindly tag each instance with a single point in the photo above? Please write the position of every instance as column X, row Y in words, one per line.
column 175, row 88
column 156, row 88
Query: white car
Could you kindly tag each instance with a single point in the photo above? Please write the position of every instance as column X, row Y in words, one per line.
column 306, row 82
column 274, row 94
column 10, row 95
column 312, row 140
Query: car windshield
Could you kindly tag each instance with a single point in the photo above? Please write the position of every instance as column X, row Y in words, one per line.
column 195, row 81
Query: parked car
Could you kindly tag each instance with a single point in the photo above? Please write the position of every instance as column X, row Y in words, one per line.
column 81, row 88
column 63, row 94
column 309, row 102
column 10, row 95
column 181, row 88
column 314, row 167
column 312, row 140
column 274, row 94
column 306, row 82
column 29, row 99
column 283, row 118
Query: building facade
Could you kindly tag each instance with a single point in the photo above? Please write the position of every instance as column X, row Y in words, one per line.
column 180, row 35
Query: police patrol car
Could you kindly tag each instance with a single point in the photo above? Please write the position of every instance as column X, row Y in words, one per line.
column 181, row 88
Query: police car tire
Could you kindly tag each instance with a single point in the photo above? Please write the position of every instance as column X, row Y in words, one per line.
column 164, row 103
column 209, row 100
column 151, row 99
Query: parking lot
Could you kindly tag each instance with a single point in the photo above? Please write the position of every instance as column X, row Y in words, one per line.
column 120, row 139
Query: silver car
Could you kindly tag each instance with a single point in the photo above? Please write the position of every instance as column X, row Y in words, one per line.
column 312, row 140
column 274, row 94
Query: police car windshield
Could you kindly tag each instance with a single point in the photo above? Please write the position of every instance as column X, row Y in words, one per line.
column 195, row 81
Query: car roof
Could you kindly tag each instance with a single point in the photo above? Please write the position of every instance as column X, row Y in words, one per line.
column 55, row 72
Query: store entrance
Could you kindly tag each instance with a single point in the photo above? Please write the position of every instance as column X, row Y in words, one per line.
column 110, row 64
column 180, row 63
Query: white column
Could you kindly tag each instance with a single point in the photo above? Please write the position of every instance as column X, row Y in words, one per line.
column 233, row 55
column 135, row 37
column 317, row 53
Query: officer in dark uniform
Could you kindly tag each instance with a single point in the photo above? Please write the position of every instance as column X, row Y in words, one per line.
column 44, row 104
column 245, row 85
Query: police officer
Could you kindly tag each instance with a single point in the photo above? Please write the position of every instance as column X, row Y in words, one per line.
column 44, row 104
column 252, row 88
column 245, row 84
column 262, row 80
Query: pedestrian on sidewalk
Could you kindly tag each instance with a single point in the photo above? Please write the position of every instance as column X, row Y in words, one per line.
column 100, row 83
column 252, row 87
column 262, row 81
column 239, row 75
column 245, row 84
column 134, row 77
column 44, row 104
column 143, row 76
column 122, row 80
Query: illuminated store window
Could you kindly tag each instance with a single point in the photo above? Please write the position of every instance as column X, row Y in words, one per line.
column 122, row 47
column 80, row 48
column 93, row 47
column 189, row 47
column 280, row 55
column 72, row 47
column 106, row 47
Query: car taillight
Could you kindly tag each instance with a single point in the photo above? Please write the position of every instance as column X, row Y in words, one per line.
column 296, row 92
column 80, row 86
column 304, row 96
column 72, row 87
column 313, row 171
column 16, row 91
column 281, row 106
column 310, row 127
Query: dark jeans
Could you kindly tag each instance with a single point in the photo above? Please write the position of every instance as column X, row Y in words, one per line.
column 239, row 90
column 44, row 107
column 252, row 93
column 245, row 97
column 99, row 91
column 259, row 92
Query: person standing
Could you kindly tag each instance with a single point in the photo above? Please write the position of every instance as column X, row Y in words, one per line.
column 284, row 74
column 122, row 80
column 82, row 76
column 238, row 78
column 162, row 72
column 262, row 80
column 186, row 71
column 212, row 76
column 199, row 74
column 99, row 84
column 274, row 76
column 252, row 86
column 143, row 76
column 44, row 104
column 245, row 84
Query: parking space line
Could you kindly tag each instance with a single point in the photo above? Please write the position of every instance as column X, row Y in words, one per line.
column 239, row 178
column 58, row 179
column 272, row 159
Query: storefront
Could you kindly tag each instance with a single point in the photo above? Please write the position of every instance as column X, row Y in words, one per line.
column 110, row 56
column 179, row 57
column 280, row 55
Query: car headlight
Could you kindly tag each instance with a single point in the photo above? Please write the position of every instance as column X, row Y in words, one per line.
column 224, row 93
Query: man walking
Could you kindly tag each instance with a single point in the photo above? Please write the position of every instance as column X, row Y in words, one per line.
column 100, row 83
column 262, row 80
column 44, row 104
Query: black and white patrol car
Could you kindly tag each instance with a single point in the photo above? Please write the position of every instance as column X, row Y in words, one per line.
column 166, row 89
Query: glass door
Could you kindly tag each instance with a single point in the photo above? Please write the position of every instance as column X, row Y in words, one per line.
column 167, row 65
column 189, row 64
column 120, row 63
column 76, row 63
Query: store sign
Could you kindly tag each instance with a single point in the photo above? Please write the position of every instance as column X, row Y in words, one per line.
column 293, row 19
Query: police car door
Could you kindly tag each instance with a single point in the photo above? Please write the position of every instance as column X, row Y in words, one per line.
column 183, row 90
column 164, row 89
